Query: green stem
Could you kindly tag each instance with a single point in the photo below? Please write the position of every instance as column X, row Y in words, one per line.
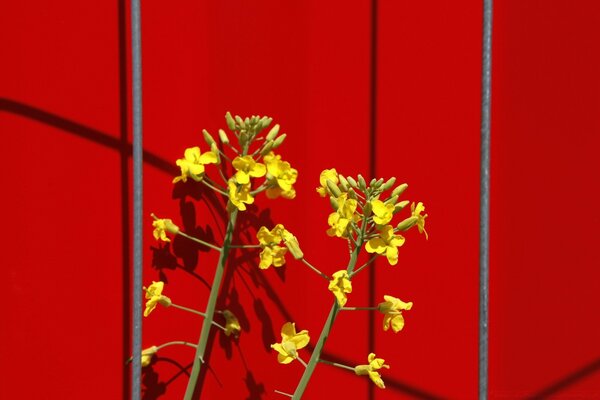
column 283, row 393
column 363, row 266
column 316, row 355
column 202, row 242
column 216, row 189
column 359, row 308
column 210, row 309
column 245, row 246
column 337, row 365
column 191, row 310
column 309, row 265
column 175, row 343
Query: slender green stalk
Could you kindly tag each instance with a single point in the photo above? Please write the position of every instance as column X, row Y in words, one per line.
column 359, row 308
column 191, row 310
column 202, row 242
column 309, row 265
column 210, row 309
column 316, row 355
column 216, row 189
column 283, row 393
column 363, row 266
column 175, row 343
column 245, row 246
column 337, row 365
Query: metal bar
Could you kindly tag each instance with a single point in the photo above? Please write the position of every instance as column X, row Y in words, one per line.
column 136, row 59
column 484, row 221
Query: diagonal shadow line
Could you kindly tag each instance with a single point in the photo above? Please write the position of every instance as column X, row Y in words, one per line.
column 567, row 381
column 86, row 132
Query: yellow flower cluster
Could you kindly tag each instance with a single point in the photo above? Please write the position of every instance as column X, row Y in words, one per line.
column 371, row 369
column 272, row 252
column 291, row 342
column 281, row 177
column 193, row 162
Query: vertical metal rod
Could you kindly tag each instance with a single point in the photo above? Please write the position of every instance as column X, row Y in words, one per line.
column 136, row 59
column 484, row 221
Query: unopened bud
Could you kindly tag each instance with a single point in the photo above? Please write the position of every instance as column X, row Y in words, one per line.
column 291, row 242
column 361, row 183
column 379, row 182
column 352, row 182
column 207, row 137
column 352, row 194
column 223, row 137
column 398, row 207
column 400, row 189
column 343, row 183
column 391, row 200
column 372, row 183
column 273, row 132
column 333, row 189
column 215, row 149
column 263, row 123
column 230, row 121
column 388, row 185
column 277, row 142
column 367, row 208
column 334, row 203
column 240, row 122
column 407, row 223
column 267, row 149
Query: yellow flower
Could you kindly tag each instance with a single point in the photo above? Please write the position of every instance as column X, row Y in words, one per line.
column 339, row 221
column 241, row 196
column 193, row 162
column 375, row 364
column 291, row 342
column 147, row 355
column 327, row 174
column 232, row 325
column 246, row 167
column 272, row 253
column 340, row 285
column 154, row 296
column 161, row 227
column 392, row 308
column 383, row 212
column 387, row 243
column 416, row 212
column 281, row 177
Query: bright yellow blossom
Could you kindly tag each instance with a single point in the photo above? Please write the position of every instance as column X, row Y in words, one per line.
column 416, row 212
column 387, row 243
column 147, row 355
column 161, row 227
column 241, row 196
column 232, row 325
column 383, row 212
column 291, row 342
column 192, row 164
column 327, row 174
column 154, row 296
column 375, row 364
column 272, row 253
column 246, row 167
column 339, row 221
column 392, row 308
column 340, row 285
column 281, row 177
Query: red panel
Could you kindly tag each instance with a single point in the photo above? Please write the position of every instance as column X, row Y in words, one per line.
column 428, row 136
column 544, row 258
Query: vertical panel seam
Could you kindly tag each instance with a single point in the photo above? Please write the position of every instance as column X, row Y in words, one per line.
column 137, row 196
column 485, row 199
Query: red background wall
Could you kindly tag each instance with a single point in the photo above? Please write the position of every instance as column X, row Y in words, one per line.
column 64, row 100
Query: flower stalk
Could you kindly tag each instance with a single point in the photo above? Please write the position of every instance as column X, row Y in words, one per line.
column 210, row 309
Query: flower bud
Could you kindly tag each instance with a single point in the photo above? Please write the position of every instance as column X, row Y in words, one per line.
column 391, row 200
column 362, row 184
column 207, row 138
column 334, row 203
column 230, row 122
column 399, row 190
column 352, row 182
column 223, row 137
column 215, row 149
column 291, row 242
column 400, row 206
column 273, row 132
column 147, row 355
column 407, row 224
column 368, row 208
column 343, row 183
column 372, row 183
column 263, row 123
column 279, row 141
column 379, row 183
column 232, row 324
column 388, row 185
column 240, row 122
column 333, row 189
column 267, row 149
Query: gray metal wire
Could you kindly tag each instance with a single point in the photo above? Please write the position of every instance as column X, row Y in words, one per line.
column 484, row 271
column 136, row 57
